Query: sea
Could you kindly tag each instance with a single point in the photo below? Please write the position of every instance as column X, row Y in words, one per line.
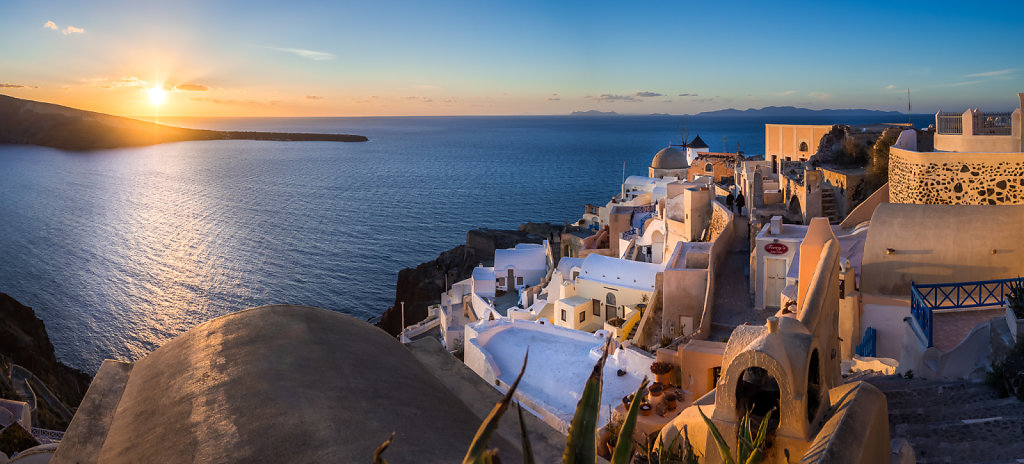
column 118, row 251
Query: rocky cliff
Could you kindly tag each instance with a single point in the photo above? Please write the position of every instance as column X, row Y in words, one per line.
column 421, row 286
column 24, row 341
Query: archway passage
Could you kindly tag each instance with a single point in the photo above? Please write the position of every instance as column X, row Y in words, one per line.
column 795, row 211
column 757, row 392
column 813, row 386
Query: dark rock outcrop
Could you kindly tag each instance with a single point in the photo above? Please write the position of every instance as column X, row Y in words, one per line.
column 45, row 124
column 421, row 286
column 24, row 341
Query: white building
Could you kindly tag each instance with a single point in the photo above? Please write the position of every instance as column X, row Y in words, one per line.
column 522, row 266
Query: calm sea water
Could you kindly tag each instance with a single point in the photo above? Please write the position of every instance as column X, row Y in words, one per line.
column 121, row 250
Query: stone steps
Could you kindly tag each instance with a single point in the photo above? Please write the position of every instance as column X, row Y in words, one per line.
column 953, row 422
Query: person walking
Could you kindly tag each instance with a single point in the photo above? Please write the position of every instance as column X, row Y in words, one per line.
column 740, row 202
column 728, row 200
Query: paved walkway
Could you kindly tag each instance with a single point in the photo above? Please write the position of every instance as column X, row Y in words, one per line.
column 953, row 422
column 732, row 303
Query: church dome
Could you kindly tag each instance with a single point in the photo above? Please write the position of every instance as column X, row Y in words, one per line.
column 669, row 158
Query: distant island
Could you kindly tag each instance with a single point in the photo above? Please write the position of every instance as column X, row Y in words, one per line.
column 36, row 123
column 776, row 111
column 594, row 113
column 768, row 111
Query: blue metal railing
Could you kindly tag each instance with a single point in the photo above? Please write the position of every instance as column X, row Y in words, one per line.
column 928, row 297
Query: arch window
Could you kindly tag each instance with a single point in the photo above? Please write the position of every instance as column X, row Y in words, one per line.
column 708, row 167
column 803, row 146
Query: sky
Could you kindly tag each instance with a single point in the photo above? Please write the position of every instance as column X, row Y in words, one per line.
column 396, row 58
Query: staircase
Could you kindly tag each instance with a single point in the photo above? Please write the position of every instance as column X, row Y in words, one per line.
column 953, row 422
column 632, row 331
column 830, row 206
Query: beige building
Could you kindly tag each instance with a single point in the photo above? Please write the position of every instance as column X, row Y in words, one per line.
column 791, row 142
column 978, row 160
column 669, row 162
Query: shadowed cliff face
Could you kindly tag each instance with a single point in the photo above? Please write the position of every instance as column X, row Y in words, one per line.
column 35, row 123
column 24, row 341
column 421, row 286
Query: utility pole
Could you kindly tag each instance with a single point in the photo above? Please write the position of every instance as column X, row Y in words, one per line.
column 403, row 315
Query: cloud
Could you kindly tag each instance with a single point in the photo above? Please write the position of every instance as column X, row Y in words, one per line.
column 50, row 25
column 890, row 87
column 130, row 81
column 688, row 95
column 237, row 102
column 308, row 54
column 820, row 95
column 17, row 86
column 789, row 92
column 426, row 86
column 191, row 87
column 666, row 101
column 314, row 97
column 613, row 98
column 1001, row 72
column 72, row 30
column 553, row 99
column 647, row 94
column 418, row 98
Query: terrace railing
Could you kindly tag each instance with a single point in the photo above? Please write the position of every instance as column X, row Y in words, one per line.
column 950, row 123
column 993, row 124
column 925, row 299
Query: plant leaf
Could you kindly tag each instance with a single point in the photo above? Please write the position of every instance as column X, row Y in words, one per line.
column 527, row 448
column 377, row 459
column 624, row 442
column 723, row 447
column 581, row 446
column 478, row 451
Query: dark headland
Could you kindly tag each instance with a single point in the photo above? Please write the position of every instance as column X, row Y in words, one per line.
column 36, row 123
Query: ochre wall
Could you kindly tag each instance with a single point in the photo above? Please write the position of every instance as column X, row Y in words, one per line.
column 934, row 244
column 956, row 178
column 783, row 140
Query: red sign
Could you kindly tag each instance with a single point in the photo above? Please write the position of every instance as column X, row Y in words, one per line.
column 776, row 248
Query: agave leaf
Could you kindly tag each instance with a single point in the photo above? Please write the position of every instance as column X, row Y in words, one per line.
column 581, row 446
column 762, row 431
column 377, row 459
column 723, row 447
column 527, row 448
column 478, row 451
column 743, row 444
column 625, row 439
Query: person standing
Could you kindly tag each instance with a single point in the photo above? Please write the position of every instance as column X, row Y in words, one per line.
column 740, row 202
column 728, row 200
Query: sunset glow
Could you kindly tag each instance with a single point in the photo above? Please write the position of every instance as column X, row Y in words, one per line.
column 447, row 58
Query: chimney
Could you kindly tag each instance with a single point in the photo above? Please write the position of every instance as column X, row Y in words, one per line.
column 776, row 225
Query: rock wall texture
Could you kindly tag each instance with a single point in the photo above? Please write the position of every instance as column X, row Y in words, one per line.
column 956, row 178
column 23, row 340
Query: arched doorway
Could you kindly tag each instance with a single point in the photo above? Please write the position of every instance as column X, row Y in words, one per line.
column 757, row 392
column 610, row 311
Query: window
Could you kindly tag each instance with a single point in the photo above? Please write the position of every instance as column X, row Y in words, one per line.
column 501, row 281
column 803, row 146
column 609, row 299
column 708, row 167
column 583, row 316
column 597, row 308
column 563, row 316
column 519, row 280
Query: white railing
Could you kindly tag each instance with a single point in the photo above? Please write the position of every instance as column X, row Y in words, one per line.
column 949, row 123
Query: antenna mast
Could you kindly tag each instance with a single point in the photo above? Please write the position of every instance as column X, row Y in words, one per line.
column 909, row 120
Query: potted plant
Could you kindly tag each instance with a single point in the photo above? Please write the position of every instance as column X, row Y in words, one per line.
column 662, row 372
column 645, row 409
column 655, row 390
column 670, row 401
column 1015, row 308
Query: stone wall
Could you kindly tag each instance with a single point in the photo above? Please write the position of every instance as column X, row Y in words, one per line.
column 956, row 178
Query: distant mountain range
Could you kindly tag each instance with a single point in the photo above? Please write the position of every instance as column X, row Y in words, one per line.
column 776, row 111
column 37, row 123
column 768, row 111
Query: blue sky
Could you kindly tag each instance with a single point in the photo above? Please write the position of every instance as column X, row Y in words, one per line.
column 397, row 58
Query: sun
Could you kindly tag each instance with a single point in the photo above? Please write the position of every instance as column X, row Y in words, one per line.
column 157, row 95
